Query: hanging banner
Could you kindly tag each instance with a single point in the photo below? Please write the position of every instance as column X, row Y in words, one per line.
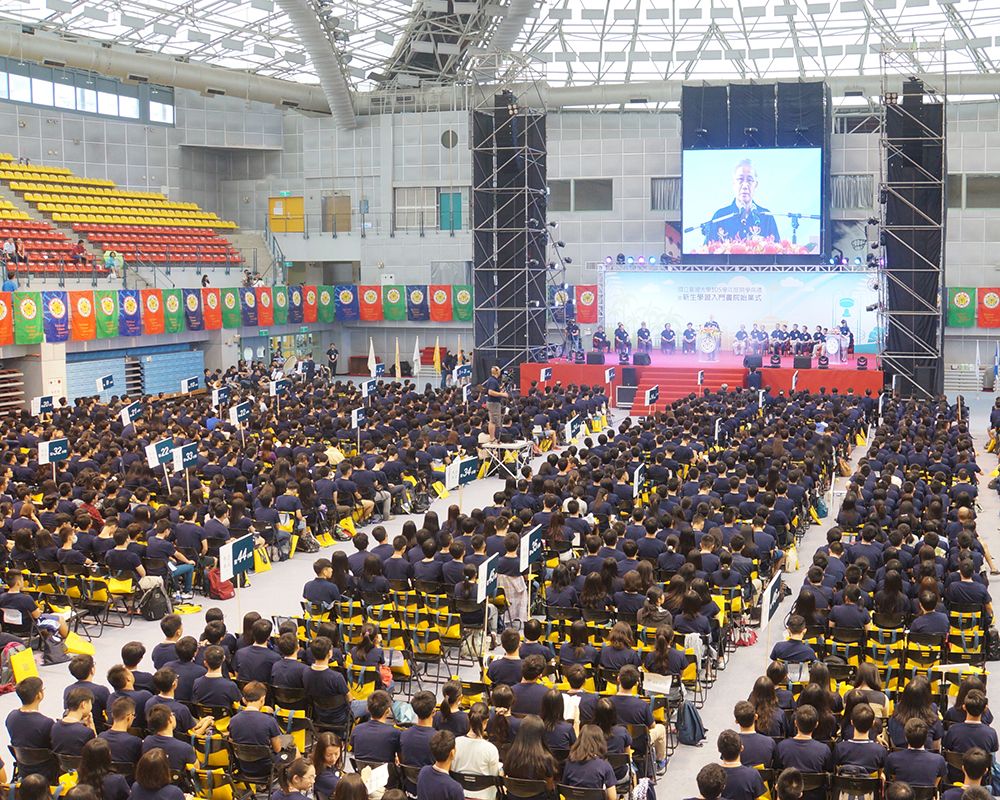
column 280, row 304
column 440, row 303
column 231, row 317
column 55, row 312
column 81, row 316
column 371, row 303
column 6, row 319
column 265, row 305
column 987, row 307
column 211, row 309
column 173, row 311
column 129, row 313
column 248, row 306
column 961, row 308
column 348, row 309
column 153, row 319
column 193, row 312
column 586, row 304
column 308, row 303
column 28, row 318
column 295, row 305
column 327, row 310
column 416, row 304
column 462, row 307
column 106, row 313
column 394, row 302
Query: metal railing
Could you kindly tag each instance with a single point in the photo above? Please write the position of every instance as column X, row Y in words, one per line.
column 364, row 224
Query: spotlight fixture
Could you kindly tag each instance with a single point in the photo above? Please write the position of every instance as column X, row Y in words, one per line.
column 883, row 196
column 553, row 224
column 609, row 260
column 629, row 260
column 621, row 258
column 872, row 220
column 642, row 261
column 652, row 261
column 664, row 258
column 890, row 98
column 872, row 307
column 871, row 262
column 568, row 260
column 857, row 261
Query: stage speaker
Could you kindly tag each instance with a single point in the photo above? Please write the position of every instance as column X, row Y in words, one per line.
column 641, row 359
column 623, row 359
column 862, row 362
column 803, row 362
column 578, row 357
column 823, row 362
column 775, row 360
column 595, row 357
column 630, row 377
column 753, row 361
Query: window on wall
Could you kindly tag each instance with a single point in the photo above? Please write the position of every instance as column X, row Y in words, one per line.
column 76, row 90
column 982, row 191
column 560, row 196
column 665, row 194
column 953, row 187
column 581, row 194
column 429, row 207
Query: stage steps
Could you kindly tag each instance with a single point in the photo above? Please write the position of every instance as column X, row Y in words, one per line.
column 679, row 382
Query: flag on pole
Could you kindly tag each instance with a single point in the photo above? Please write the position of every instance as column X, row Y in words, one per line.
column 399, row 371
column 996, row 362
column 416, row 356
column 437, row 354
column 979, row 365
column 371, row 357
column 458, row 353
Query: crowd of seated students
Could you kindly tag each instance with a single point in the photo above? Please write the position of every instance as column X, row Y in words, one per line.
column 905, row 558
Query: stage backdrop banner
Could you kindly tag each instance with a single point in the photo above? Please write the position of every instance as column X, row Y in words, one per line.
column 56, row 313
column 988, row 307
column 440, row 303
column 81, row 316
column 153, row 321
column 7, row 319
column 416, row 304
column 462, row 307
column 248, row 307
column 586, row 304
column 394, row 303
column 327, row 311
column 295, row 305
column 173, row 311
column 371, row 303
column 961, row 307
column 265, row 306
column 740, row 298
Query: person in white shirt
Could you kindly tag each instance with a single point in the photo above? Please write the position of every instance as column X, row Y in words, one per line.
column 474, row 755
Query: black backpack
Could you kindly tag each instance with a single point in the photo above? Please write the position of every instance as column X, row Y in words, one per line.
column 690, row 728
column 154, row 604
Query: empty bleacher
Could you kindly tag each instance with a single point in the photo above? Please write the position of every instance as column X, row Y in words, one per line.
column 144, row 227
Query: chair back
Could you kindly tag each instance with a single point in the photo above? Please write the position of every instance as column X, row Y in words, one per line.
column 470, row 782
column 524, row 787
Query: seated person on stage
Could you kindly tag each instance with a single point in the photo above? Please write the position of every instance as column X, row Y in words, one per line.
column 806, row 340
column 668, row 339
column 758, row 340
column 623, row 343
column 776, row 339
column 644, row 339
column 784, row 339
column 793, row 339
column 818, row 342
column 688, row 338
column 740, row 341
column 600, row 340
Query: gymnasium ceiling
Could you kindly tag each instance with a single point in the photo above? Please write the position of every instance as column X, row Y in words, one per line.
column 404, row 43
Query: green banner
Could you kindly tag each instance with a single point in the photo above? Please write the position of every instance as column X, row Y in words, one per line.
column 394, row 302
column 232, row 316
column 28, row 324
column 961, row 307
column 280, row 304
column 106, row 313
column 461, row 303
column 326, row 308
column 173, row 311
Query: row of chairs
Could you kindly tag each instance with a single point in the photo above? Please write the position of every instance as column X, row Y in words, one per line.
column 113, row 198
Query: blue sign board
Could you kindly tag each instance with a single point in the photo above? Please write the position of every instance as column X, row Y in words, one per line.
column 240, row 413
column 279, row 387
column 189, row 385
column 462, row 371
column 367, row 388
column 545, row 374
column 160, row 452
column 357, row 417
column 460, row 472
column 105, row 382
column 609, row 375
column 652, row 395
column 530, row 547
column 42, row 405
column 236, row 557
column 131, row 413
column 220, row 397
column 379, row 370
column 53, row 450
column 486, row 585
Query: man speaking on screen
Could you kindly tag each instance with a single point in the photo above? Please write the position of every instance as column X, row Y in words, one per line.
column 743, row 219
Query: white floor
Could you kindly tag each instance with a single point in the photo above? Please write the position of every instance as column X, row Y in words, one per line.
column 279, row 591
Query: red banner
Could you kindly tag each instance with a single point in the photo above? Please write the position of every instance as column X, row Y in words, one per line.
column 7, row 318
column 586, row 303
column 370, row 300
column 82, row 322
column 211, row 305
column 440, row 303
column 988, row 307
column 308, row 303
column 152, row 311
column 265, row 306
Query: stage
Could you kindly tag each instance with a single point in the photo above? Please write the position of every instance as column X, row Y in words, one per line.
column 677, row 375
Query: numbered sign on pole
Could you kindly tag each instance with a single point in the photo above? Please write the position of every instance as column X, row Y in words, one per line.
column 185, row 456
column 53, row 451
column 368, row 388
column 638, row 477
column 545, row 374
column 278, row 387
column 379, row 371
column 104, row 383
column 357, row 417
column 609, row 375
column 42, row 405
column 701, row 377
column 486, row 585
column 461, row 371
column 718, row 428
column 460, row 472
column 530, row 549
column 130, row 413
column 652, row 395
column 189, row 385
column 240, row 413
column 160, row 452
column 220, row 397
column 236, row 557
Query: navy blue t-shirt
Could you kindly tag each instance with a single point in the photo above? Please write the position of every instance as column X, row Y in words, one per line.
column 593, row 774
column 433, row 784
column 866, row 754
column 807, row 755
column 68, row 738
column 743, row 783
column 758, row 749
column 254, row 663
column 793, row 652
column 528, row 697
column 125, row 748
column 179, row 753
column 415, row 746
column 505, row 670
column 375, row 741
column 916, row 767
column 216, row 691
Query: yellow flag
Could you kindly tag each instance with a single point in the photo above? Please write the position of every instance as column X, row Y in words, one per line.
column 437, row 354
column 399, row 371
